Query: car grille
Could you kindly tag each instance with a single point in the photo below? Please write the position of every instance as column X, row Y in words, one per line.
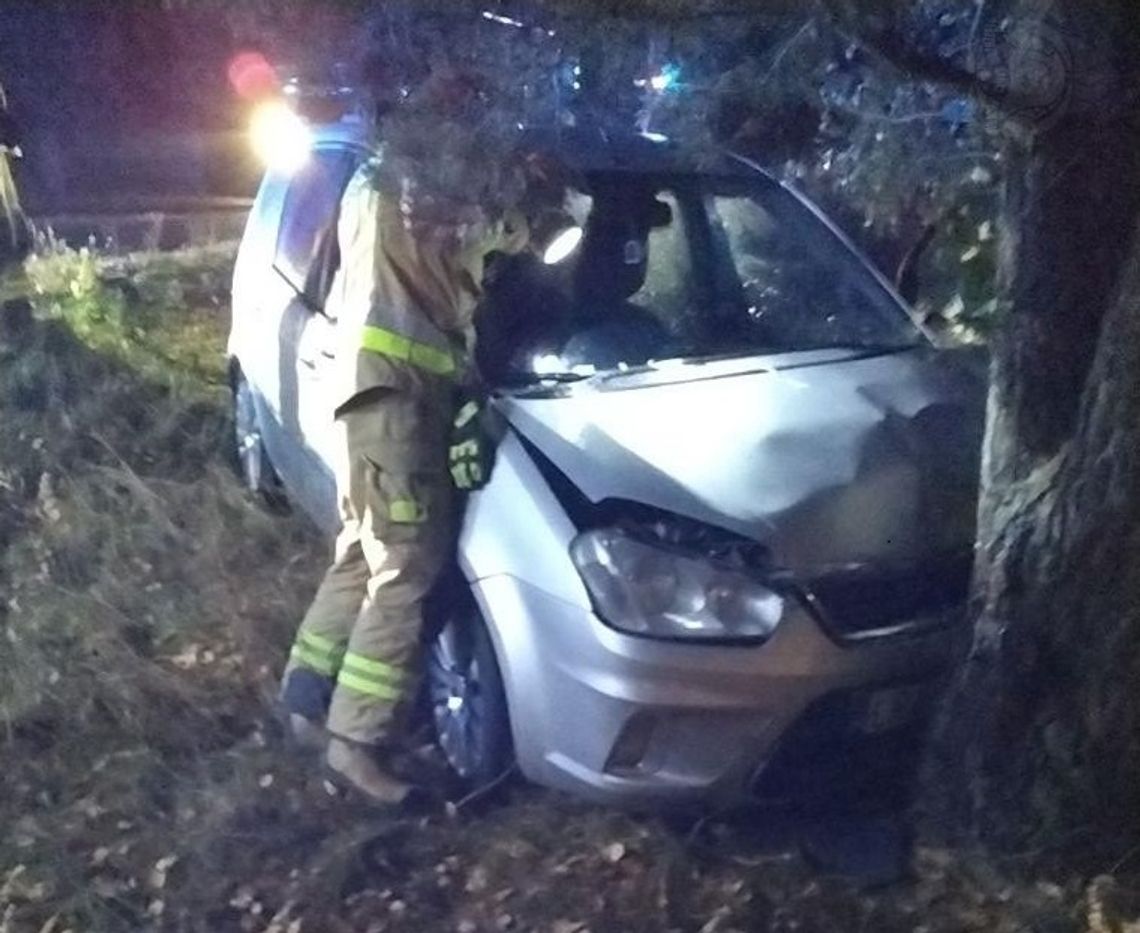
column 860, row 602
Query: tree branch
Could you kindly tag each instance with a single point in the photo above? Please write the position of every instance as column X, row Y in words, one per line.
column 879, row 36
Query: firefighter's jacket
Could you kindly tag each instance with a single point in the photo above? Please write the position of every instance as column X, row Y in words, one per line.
column 406, row 291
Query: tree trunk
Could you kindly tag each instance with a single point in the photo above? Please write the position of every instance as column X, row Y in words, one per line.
column 1048, row 705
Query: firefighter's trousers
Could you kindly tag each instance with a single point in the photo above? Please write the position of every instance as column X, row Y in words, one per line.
column 356, row 656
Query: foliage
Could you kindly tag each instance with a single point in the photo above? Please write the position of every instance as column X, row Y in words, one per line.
column 70, row 279
column 132, row 308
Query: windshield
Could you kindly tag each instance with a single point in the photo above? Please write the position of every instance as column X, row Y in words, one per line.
column 684, row 267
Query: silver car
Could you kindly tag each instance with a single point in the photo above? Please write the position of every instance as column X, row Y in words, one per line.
column 726, row 545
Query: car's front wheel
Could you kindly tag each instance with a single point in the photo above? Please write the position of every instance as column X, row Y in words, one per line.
column 468, row 703
column 252, row 460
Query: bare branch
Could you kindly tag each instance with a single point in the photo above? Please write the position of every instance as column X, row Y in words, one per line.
column 878, row 34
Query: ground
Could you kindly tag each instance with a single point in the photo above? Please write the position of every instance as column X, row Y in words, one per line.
column 146, row 605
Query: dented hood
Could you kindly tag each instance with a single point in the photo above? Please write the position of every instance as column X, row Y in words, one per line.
column 827, row 458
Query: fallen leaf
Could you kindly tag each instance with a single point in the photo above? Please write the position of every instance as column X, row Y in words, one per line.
column 50, row 924
column 161, row 870
column 477, row 880
column 713, row 924
column 106, row 887
column 10, row 881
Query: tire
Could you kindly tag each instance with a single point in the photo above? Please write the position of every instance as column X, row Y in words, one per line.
column 467, row 701
column 251, row 459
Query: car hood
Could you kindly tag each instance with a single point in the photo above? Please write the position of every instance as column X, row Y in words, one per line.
column 850, row 460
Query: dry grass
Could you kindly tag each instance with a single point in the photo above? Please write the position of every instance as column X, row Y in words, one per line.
column 145, row 606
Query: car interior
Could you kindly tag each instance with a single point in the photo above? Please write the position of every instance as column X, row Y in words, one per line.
column 675, row 266
column 607, row 306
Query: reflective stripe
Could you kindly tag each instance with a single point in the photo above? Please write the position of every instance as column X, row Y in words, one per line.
column 467, row 474
column 321, row 654
column 466, row 413
column 406, row 512
column 372, row 678
column 422, row 355
column 377, row 669
column 368, row 687
column 465, row 449
column 320, row 643
column 304, row 655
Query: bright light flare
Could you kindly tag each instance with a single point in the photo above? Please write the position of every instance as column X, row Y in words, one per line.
column 547, row 364
column 666, row 79
column 280, row 137
column 562, row 246
column 503, row 20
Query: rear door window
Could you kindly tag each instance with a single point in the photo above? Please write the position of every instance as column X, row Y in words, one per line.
column 306, row 240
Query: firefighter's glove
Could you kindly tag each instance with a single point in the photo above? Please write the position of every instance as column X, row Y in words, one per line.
column 471, row 455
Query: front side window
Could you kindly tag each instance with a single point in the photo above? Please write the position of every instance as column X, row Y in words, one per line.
column 307, row 236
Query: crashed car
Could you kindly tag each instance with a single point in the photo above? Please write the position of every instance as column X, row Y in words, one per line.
column 725, row 548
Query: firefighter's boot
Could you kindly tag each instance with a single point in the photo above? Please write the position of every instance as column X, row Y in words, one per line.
column 356, row 766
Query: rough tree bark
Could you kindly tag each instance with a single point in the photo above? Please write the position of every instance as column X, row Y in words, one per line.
column 1047, row 707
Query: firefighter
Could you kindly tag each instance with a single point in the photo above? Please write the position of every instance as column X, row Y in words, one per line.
column 403, row 298
column 13, row 224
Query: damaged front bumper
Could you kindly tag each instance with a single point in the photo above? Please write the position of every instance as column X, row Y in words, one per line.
column 630, row 720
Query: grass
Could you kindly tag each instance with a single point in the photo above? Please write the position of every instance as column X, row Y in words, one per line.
column 137, row 653
column 146, row 603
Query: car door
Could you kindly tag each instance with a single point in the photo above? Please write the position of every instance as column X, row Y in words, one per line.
column 305, row 260
column 260, row 297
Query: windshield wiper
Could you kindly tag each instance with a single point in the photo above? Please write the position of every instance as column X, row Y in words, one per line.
column 533, row 379
column 857, row 347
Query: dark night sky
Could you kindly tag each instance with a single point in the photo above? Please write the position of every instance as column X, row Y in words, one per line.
column 121, row 98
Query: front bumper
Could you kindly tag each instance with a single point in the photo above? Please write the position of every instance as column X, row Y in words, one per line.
column 634, row 721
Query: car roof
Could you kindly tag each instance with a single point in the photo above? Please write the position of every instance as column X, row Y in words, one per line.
column 351, row 131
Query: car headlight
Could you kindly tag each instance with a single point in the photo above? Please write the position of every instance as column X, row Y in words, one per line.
column 647, row 589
